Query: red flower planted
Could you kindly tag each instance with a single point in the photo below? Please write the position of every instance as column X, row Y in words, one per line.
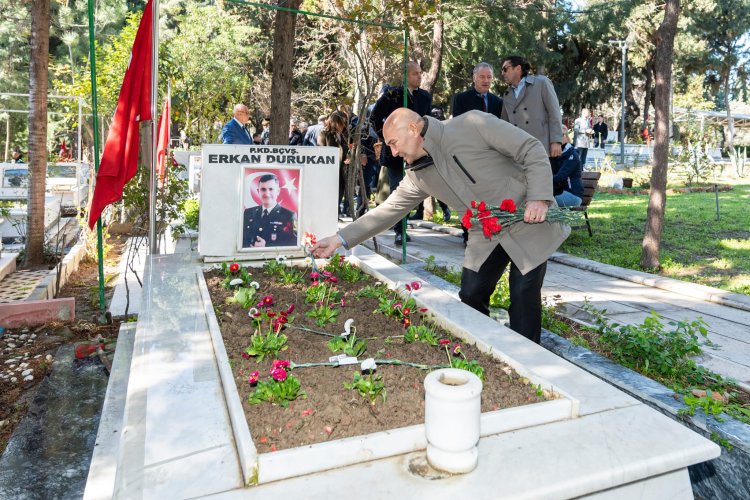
column 314, row 275
column 267, row 301
column 253, row 378
column 234, row 267
column 291, row 308
column 271, row 314
column 416, row 285
column 466, row 219
column 278, row 374
column 423, row 310
column 315, row 283
column 407, row 322
column 245, row 355
column 444, row 341
column 343, row 303
column 406, row 311
column 327, row 274
column 456, row 350
column 508, row 205
column 333, row 279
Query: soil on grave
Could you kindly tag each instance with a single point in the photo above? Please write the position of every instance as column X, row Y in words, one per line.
column 83, row 286
column 330, row 411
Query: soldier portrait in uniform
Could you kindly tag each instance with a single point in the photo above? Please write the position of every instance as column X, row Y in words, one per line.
column 268, row 223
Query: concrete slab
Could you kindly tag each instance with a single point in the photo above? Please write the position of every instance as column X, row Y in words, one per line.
column 128, row 287
column 37, row 312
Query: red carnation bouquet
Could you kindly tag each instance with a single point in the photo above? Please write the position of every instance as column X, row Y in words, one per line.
column 496, row 218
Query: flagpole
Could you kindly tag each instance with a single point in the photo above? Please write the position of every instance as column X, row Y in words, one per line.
column 153, row 242
column 95, row 118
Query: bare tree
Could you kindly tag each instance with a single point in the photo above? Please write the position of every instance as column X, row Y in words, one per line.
column 663, row 76
column 283, row 71
column 38, row 84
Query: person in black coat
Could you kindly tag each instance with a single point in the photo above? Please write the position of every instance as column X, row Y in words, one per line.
column 479, row 96
column 268, row 224
column 601, row 131
column 419, row 101
column 567, row 186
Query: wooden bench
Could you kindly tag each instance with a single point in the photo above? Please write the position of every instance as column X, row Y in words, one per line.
column 589, row 180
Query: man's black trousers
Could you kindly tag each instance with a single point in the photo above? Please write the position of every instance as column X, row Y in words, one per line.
column 525, row 292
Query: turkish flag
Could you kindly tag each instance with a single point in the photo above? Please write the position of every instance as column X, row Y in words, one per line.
column 120, row 158
column 162, row 145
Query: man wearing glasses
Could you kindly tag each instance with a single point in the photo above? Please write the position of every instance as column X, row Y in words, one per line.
column 530, row 103
column 234, row 132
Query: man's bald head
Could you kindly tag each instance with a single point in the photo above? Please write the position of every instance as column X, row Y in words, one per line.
column 241, row 113
column 402, row 133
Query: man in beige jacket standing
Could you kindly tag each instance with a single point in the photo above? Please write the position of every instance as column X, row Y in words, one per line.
column 475, row 156
column 531, row 104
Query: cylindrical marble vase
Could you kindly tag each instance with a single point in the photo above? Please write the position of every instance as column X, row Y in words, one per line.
column 451, row 421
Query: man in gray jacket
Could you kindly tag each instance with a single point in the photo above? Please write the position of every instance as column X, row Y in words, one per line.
column 475, row 156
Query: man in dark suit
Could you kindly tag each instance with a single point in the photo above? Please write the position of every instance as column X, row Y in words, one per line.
column 419, row 101
column 269, row 224
column 479, row 96
column 234, row 132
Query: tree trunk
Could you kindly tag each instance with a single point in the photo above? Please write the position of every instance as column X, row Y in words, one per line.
column 429, row 80
column 730, row 119
column 663, row 75
column 283, row 71
column 38, row 83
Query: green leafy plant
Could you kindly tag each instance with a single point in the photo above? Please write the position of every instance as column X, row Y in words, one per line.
column 369, row 387
column 277, row 392
column 275, row 266
column 272, row 341
column 345, row 270
column 323, row 314
column 350, row 346
column 420, row 333
column 233, row 272
column 244, row 296
column 322, row 292
column 289, row 276
column 372, row 291
column 457, row 359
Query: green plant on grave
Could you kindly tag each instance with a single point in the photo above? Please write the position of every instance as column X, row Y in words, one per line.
column 323, row 314
column 279, row 389
column 372, row 291
column 244, row 296
column 457, row 359
column 267, row 339
column 339, row 266
column 275, row 266
column 321, row 292
column 290, row 275
column 441, row 271
column 396, row 306
column 501, row 296
column 707, row 403
column 421, row 333
column 189, row 211
column 233, row 272
column 350, row 345
column 370, row 386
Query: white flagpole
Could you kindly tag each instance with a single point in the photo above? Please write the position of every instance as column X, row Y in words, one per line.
column 153, row 241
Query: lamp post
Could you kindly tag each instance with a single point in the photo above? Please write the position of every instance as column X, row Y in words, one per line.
column 623, row 46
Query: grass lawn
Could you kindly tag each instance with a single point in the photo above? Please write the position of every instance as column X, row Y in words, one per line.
column 695, row 246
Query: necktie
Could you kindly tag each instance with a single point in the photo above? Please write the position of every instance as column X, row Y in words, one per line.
column 265, row 213
column 484, row 103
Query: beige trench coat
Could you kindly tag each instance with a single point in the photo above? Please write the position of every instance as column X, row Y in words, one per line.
column 477, row 157
column 536, row 110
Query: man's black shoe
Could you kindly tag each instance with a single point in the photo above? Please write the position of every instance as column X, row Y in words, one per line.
column 447, row 215
column 398, row 240
column 416, row 216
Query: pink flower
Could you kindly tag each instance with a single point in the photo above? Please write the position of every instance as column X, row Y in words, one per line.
column 444, row 341
column 278, row 374
column 333, row 279
column 280, row 363
column 343, row 303
column 314, row 283
column 290, row 310
column 245, row 355
column 408, row 287
column 327, row 274
column 253, row 378
column 267, row 300
column 416, row 285
column 234, row 267
column 397, row 305
column 314, row 275
column 456, row 350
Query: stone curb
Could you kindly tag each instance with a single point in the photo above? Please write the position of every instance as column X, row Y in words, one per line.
column 46, row 288
column 722, row 477
column 707, row 293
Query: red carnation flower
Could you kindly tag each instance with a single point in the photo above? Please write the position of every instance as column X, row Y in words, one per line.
column 466, row 219
column 473, row 203
column 482, row 206
column 508, row 205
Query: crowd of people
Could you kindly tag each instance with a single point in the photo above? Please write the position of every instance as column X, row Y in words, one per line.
column 493, row 148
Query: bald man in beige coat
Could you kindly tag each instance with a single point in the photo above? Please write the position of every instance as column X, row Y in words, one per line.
column 475, row 156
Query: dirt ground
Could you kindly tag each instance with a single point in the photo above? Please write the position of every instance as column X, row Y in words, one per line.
column 34, row 348
column 329, row 410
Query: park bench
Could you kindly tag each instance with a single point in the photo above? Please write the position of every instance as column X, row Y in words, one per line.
column 589, row 180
